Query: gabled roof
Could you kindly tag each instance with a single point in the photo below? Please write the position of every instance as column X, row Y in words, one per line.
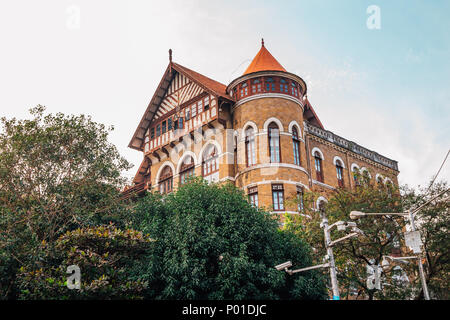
column 264, row 61
column 213, row 87
column 311, row 116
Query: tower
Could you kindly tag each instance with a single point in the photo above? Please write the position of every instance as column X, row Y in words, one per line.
column 268, row 122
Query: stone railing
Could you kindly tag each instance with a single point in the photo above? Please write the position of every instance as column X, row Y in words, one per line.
column 349, row 145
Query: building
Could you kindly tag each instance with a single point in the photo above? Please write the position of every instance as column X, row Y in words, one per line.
column 260, row 133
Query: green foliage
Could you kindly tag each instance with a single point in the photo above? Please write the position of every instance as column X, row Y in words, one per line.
column 381, row 235
column 211, row 244
column 353, row 255
column 104, row 255
column 433, row 222
column 57, row 173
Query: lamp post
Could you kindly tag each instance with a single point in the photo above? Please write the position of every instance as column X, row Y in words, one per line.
column 341, row 225
column 410, row 215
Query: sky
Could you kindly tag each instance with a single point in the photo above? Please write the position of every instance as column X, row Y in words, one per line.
column 386, row 88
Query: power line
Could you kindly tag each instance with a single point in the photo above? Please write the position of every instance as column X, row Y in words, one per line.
column 432, row 182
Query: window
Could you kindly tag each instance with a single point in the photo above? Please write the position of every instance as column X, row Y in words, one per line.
column 180, row 123
column 278, row 197
column 169, row 124
column 194, row 110
column 166, row 180
column 256, row 86
column 244, row 89
column 206, row 103
column 322, row 205
column 294, row 90
column 296, row 146
column 250, row 153
column 253, row 196
column 270, row 84
column 210, row 163
column 318, row 166
column 188, row 114
column 187, row 169
column 366, row 177
column 200, row 106
column 283, row 86
column 356, row 176
column 274, row 143
column 300, row 200
column 158, row 130
column 164, row 127
column 380, row 181
column 152, row 133
column 340, row 173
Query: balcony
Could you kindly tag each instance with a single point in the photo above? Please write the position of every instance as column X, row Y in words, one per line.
column 201, row 119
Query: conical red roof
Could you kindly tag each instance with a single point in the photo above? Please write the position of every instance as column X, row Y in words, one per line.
column 264, row 61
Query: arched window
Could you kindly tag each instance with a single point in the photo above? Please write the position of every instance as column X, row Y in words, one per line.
column 274, row 143
column 318, row 166
column 356, row 176
column 210, row 160
column 166, row 180
column 340, row 173
column 296, row 146
column 250, row 153
column 187, row 169
column 380, row 181
column 366, row 177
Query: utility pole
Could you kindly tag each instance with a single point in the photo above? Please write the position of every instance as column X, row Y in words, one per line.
column 334, row 282
column 419, row 260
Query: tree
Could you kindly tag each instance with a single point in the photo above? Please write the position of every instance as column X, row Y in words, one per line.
column 382, row 236
column 212, row 244
column 432, row 221
column 106, row 257
column 57, row 173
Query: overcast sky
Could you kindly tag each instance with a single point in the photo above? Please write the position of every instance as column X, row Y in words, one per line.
column 387, row 89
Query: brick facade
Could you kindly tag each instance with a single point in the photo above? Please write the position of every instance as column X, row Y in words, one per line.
column 255, row 100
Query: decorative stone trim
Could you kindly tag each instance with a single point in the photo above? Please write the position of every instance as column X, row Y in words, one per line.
column 272, row 165
column 349, row 145
column 323, row 184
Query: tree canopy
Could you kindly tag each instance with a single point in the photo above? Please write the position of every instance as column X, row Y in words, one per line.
column 212, row 244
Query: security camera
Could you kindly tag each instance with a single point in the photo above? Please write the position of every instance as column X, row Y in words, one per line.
column 340, row 225
column 351, row 224
column 284, row 266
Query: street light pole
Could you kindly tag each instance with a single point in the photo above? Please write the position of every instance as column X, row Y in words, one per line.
column 410, row 215
column 334, row 282
column 419, row 260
